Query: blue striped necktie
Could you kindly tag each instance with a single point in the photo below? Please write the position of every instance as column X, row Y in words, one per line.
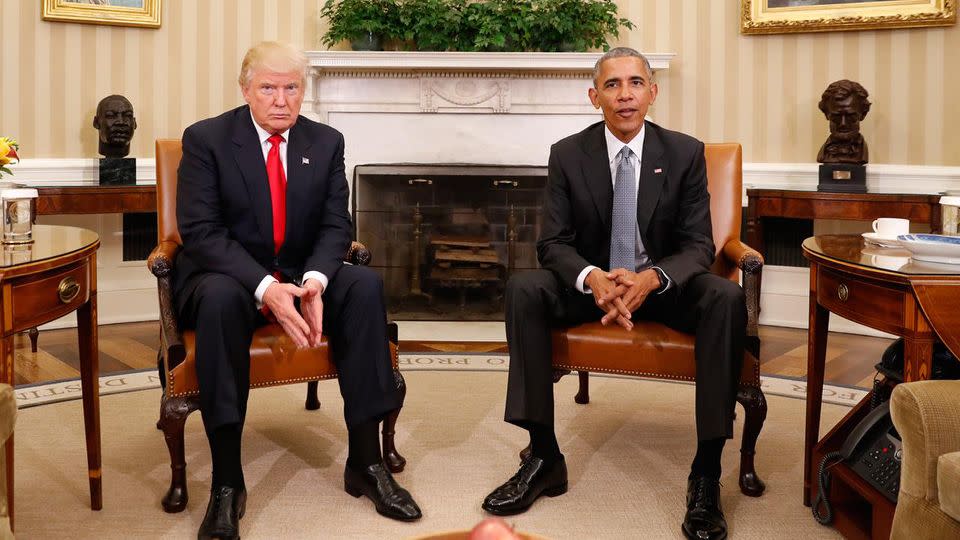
column 623, row 233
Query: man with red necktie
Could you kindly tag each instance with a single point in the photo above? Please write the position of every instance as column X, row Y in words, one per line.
column 262, row 212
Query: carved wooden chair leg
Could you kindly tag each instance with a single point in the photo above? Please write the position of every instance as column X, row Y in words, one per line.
column 313, row 402
column 395, row 462
column 34, row 336
column 173, row 417
column 755, row 409
column 583, row 394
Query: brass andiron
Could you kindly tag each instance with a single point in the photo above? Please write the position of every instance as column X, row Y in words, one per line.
column 415, row 290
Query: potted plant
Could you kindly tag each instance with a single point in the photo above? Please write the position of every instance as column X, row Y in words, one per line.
column 431, row 25
column 365, row 23
column 577, row 25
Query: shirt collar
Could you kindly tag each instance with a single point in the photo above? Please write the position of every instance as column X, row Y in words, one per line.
column 263, row 134
column 614, row 145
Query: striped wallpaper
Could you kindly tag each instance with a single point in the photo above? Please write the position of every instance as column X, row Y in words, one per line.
column 759, row 90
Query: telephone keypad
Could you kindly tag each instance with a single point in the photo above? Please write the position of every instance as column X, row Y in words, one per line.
column 880, row 466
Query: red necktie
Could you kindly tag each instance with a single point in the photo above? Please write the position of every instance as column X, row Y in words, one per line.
column 278, row 187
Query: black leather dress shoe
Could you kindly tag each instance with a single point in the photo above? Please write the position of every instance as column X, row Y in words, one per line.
column 534, row 478
column 378, row 485
column 704, row 519
column 222, row 520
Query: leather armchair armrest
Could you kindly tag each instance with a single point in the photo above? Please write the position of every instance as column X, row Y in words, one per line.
column 358, row 254
column 924, row 413
column 747, row 259
column 160, row 261
column 750, row 262
column 160, row 264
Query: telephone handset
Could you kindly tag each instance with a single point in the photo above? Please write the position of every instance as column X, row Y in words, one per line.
column 873, row 451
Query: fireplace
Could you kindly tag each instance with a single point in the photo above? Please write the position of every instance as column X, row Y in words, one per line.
column 445, row 238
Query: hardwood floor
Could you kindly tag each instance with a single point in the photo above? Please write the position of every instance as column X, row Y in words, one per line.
column 133, row 346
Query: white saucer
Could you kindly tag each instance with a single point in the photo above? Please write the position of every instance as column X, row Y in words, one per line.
column 936, row 258
column 885, row 241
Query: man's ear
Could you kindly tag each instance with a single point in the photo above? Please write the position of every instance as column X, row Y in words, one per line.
column 594, row 97
column 96, row 122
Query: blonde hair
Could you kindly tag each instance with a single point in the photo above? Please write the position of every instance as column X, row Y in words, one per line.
column 273, row 56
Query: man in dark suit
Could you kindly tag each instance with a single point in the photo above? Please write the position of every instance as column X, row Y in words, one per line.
column 262, row 211
column 626, row 235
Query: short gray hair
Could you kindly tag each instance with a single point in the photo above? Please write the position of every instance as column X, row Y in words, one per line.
column 275, row 56
column 620, row 52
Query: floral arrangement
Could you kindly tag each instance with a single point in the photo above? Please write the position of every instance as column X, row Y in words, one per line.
column 8, row 154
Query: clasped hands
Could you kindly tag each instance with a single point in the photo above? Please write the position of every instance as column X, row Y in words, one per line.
column 304, row 327
column 620, row 292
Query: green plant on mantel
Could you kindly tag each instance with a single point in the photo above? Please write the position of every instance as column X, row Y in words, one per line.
column 477, row 25
column 431, row 25
column 365, row 23
column 577, row 25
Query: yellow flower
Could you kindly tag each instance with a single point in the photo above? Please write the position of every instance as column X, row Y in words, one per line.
column 8, row 154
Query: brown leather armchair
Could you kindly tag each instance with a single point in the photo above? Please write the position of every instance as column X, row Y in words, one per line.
column 654, row 350
column 274, row 360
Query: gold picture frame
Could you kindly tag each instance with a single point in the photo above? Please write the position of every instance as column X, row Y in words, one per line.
column 788, row 16
column 139, row 13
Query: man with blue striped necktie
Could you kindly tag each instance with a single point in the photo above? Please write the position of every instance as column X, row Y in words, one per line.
column 626, row 236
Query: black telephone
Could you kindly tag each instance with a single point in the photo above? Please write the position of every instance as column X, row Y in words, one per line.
column 873, row 451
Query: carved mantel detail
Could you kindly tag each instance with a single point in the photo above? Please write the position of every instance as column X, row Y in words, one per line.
column 471, row 93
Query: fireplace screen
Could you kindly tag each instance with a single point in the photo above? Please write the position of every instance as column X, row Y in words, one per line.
column 445, row 238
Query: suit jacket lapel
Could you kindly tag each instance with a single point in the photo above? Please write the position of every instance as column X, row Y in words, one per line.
column 653, row 173
column 596, row 171
column 249, row 156
column 299, row 173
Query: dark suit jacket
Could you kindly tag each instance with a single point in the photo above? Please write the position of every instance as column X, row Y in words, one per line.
column 223, row 203
column 673, row 205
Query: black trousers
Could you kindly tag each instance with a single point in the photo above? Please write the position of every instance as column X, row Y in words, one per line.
column 709, row 306
column 224, row 316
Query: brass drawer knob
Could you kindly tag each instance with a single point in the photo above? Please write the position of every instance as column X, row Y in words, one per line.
column 68, row 290
column 843, row 292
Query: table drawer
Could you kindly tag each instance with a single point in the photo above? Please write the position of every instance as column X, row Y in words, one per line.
column 875, row 304
column 43, row 298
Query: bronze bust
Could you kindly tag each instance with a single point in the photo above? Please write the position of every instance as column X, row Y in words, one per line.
column 845, row 104
column 116, row 124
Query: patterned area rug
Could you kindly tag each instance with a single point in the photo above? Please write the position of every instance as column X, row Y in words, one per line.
column 29, row 396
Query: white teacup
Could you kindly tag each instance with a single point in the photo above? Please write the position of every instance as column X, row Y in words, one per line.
column 891, row 227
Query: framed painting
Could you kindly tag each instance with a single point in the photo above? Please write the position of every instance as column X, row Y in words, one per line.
column 784, row 16
column 142, row 13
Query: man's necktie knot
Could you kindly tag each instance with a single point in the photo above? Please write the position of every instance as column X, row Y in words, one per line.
column 275, row 139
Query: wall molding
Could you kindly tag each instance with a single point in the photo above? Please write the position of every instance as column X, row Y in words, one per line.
column 881, row 178
column 38, row 172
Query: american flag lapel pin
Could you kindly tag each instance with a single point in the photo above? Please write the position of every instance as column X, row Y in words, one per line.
column 657, row 171
column 306, row 161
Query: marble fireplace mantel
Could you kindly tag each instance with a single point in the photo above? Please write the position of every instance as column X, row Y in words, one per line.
column 460, row 82
column 452, row 107
column 464, row 61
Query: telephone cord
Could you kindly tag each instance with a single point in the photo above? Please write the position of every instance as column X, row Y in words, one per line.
column 827, row 517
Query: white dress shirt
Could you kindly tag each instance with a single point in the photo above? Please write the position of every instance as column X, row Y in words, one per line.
column 614, row 146
column 265, row 145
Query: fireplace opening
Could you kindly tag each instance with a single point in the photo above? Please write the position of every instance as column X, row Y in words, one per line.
column 445, row 238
